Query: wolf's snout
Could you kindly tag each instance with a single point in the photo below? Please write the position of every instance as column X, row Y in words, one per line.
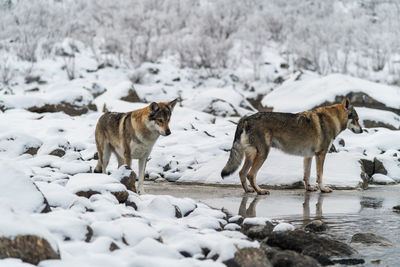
column 167, row 132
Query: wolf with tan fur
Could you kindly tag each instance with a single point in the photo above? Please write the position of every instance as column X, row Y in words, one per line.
column 305, row 134
column 132, row 135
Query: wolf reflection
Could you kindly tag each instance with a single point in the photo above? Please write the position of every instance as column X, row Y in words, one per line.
column 250, row 211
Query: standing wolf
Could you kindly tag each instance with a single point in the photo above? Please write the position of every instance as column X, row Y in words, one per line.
column 132, row 135
column 307, row 134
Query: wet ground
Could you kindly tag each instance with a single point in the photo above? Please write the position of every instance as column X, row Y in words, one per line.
column 345, row 211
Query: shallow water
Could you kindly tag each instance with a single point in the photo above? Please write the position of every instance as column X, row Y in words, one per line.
column 345, row 211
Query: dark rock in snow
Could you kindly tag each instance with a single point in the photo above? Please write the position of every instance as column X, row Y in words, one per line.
column 320, row 248
column 67, row 108
column 374, row 124
column 254, row 257
column 368, row 167
column 260, row 232
column 128, row 178
column 28, row 248
column 316, row 226
column 58, row 152
column 132, row 96
column 31, row 150
column 178, row 213
column 379, row 167
column 89, row 233
column 289, row 258
column 113, row 247
column 396, row 208
column 371, row 239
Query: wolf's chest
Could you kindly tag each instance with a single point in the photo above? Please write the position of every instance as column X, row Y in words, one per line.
column 140, row 150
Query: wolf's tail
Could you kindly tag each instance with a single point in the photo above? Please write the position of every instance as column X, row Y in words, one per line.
column 236, row 155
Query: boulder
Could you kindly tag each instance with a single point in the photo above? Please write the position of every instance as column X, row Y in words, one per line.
column 316, row 226
column 289, row 258
column 28, row 248
column 371, row 239
column 260, row 232
column 67, row 108
column 254, row 257
column 318, row 247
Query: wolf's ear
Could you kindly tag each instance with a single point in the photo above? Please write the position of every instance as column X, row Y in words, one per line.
column 172, row 104
column 346, row 103
column 154, row 107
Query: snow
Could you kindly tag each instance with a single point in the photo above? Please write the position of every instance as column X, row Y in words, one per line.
column 256, row 221
column 283, row 227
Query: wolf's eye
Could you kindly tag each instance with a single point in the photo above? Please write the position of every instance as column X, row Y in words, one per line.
column 159, row 121
column 350, row 116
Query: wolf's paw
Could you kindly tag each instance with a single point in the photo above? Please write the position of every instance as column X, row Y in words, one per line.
column 141, row 191
column 263, row 192
column 311, row 188
column 250, row 190
column 325, row 189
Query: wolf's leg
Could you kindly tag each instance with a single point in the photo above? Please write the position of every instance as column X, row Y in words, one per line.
column 320, row 158
column 106, row 156
column 243, row 172
column 307, row 170
column 256, row 165
column 142, row 167
column 99, row 167
column 120, row 159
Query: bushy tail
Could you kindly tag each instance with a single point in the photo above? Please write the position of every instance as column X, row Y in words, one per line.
column 236, row 155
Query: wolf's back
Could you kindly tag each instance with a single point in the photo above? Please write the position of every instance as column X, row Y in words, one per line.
column 236, row 155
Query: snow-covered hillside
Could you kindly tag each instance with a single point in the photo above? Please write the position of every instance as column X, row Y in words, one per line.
column 47, row 152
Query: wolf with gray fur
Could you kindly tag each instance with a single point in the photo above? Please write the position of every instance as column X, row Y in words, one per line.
column 132, row 135
column 305, row 134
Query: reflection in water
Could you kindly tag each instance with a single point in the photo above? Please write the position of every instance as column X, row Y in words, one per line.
column 371, row 202
column 251, row 210
column 306, row 207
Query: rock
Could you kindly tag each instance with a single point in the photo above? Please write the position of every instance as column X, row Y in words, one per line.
column 359, row 99
column 132, row 204
column 221, row 108
column 288, row 258
column 260, row 232
column 254, row 257
column 371, row 202
column 284, row 65
column 28, row 248
column 371, row 239
column 320, row 248
column 368, row 167
column 396, row 208
column 257, row 103
column 234, row 78
column 129, row 178
column 374, row 124
column 121, row 196
column 132, row 96
column 349, row 261
column 58, row 152
column 89, row 233
column 341, row 142
column 67, row 108
column 32, row 78
column 315, row 226
column 113, row 247
column 31, row 150
column 178, row 213
column 378, row 167
column 96, row 90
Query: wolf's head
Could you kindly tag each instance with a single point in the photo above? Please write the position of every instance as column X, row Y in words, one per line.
column 352, row 117
column 160, row 114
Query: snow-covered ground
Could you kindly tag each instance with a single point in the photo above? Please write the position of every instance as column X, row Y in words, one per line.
column 50, row 156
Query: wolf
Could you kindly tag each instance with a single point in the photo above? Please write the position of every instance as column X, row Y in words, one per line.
column 307, row 134
column 132, row 135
